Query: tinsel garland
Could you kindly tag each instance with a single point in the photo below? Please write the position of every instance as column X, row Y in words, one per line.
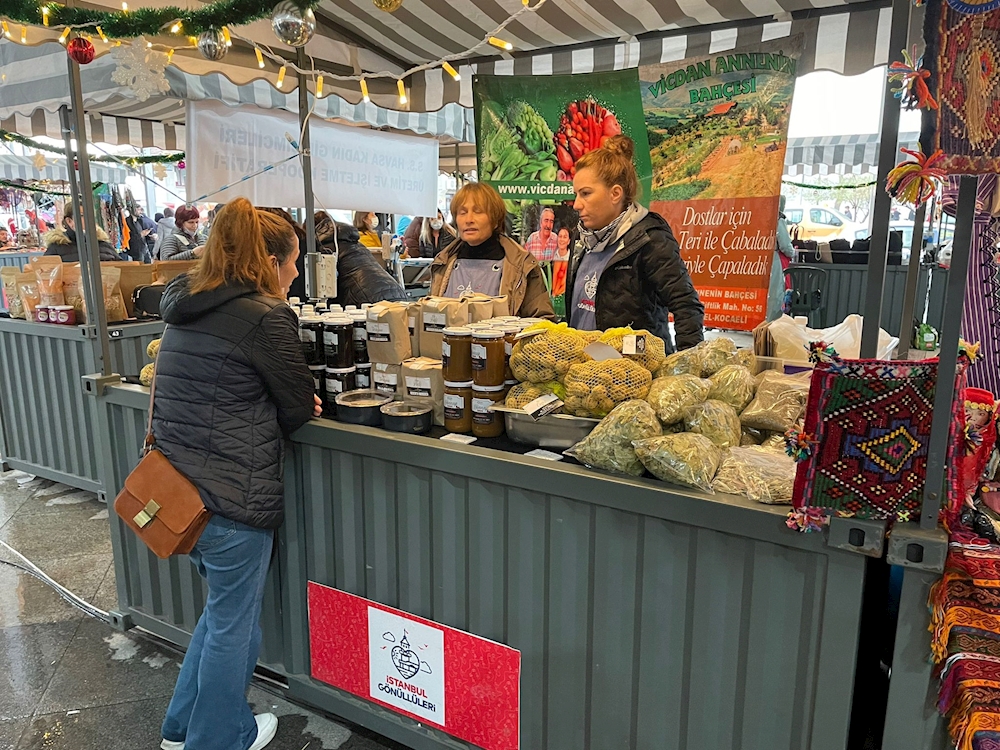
column 15, row 186
column 130, row 160
column 145, row 21
column 827, row 187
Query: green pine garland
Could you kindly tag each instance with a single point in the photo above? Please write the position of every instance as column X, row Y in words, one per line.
column 132, row 161
column 16, row 186
column 146, row 21
column 827, row 187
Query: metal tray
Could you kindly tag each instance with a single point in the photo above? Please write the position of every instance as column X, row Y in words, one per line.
column 553, row 431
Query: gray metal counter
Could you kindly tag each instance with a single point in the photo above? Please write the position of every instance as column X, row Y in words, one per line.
column 46, row 423
column 647, row 616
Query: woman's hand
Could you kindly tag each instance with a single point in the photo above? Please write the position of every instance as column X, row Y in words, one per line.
column 318, row 407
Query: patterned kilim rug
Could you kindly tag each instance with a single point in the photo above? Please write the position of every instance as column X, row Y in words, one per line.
column 965, row 621
column 870, row 422
column 962, row 54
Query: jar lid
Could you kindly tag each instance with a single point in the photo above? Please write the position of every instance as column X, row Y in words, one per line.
column 294, row 301
column 60, row 307
column 359, row 316
column 479, row 326
column 363, row 366
column 310, row 319
column 511, row 382
column 488, row 333
column 506, row 328
column 457, row 331
column 336, row 308
column 351, row 308
column 449, row 384
column 317, row 367
column 340, row 370
column 488, row 388
column 338, row 319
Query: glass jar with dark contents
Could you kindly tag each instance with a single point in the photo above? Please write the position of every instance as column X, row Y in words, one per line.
column 487, row 353
column 338, row 341
column 363, row 376
column 311, row 336
column 458, row 406
column 456, row 354
column 338, row 380
column 487, row 423
column 359, row 323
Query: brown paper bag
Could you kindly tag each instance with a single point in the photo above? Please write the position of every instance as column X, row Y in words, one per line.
column 423, row 383
column 27, row 289
column 114, row 303
column 387, row 379
column 388, row 333
column 12, row 298
column 73, row 291
column 413, row 319
column 436, row 314
column 166, row 270
column 480, row 308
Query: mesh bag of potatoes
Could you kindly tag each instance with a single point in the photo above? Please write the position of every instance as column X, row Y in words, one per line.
column 685, row 458
column 549, row 355
column 594, row 388
column 716, row 420
column 716, row 354
column 671, row 397
column 687, row 362
column 523, row 394
column 643, row 347
column 757, row 473
column 779, row 402
column 734, row 385
column 609, row 446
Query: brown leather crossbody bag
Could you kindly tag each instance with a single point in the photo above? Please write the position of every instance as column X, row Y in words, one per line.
column 159, row 503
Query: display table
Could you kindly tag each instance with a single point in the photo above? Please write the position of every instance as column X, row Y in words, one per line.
column 646, row 615
column 46, row 423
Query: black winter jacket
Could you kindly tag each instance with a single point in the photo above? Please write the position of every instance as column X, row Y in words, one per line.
column 231, row 382
column 644, row 282
column 361, row 278
column 62, row 242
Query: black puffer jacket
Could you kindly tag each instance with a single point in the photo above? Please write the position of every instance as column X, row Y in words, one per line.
column 644, row 282
column 361, row 279
column 231, row 381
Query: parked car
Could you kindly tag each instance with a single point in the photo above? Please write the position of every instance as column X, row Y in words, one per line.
column 815, row 223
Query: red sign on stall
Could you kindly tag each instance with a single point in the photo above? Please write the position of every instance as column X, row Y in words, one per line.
column 460, row 683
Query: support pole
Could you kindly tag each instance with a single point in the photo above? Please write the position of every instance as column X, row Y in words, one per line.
column 954, row 301
column 307, row 178
column 74, row 189
column 878, row 251
column 912, row 280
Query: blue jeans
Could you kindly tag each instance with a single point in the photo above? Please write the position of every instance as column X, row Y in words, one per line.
column 209, row 709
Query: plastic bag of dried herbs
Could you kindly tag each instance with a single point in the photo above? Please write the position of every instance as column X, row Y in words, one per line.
column 734, row 385
column 672, row 396
column 757, row 473
column 716, row 354
column 779, row 402
column 687, row 362
column 686, row 459
column 716, row 420
column 609, row 446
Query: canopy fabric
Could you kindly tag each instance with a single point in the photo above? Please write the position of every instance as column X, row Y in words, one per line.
column 838, row 154
column 13, row 167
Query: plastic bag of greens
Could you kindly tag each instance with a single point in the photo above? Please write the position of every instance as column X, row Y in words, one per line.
column 761, row 475
column 672, row 396
column 779, row 402
column 687, row 362
column 734, row 385
column 686, row 459
column 716, row 420
column 747, row 358
column 716, row 354
column 609, row 446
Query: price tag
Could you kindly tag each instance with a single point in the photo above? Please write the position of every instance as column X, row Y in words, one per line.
column 542, row 406
column 455, row 438
column 547, row 455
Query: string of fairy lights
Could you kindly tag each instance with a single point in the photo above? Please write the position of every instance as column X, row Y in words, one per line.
column 153, row 21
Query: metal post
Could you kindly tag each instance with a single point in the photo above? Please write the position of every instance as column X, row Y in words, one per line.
column 307, row 179
column 878, row 251
column 912, row 279
column 937, row 453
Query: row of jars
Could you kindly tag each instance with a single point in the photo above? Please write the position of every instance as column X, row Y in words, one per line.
column 338, row 340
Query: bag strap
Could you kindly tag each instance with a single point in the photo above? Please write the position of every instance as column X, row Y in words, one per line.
column 148, row 443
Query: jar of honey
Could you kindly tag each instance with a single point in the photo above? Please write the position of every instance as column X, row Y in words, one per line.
column 487, row 353
column 487, row 423
column 458, row 406
column 456, row 354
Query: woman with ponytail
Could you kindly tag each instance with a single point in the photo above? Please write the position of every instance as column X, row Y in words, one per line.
column 231, row 384
column 627, row 268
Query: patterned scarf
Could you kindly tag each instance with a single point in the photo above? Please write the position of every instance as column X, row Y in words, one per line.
column 593, row 238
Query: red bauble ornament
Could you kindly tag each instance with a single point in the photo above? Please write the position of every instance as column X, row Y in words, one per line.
column 81, row 50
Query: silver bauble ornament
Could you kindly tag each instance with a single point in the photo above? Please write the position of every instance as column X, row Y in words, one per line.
column 293, row 25
column 212, row 44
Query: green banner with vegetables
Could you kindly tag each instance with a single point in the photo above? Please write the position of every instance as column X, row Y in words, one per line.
column 531, row 130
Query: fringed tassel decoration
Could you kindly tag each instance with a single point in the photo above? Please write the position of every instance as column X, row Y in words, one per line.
column 799, row 444
column 806, row 519
column 912, row 79
column 914, row 182
column 969, row 351
column 820, row 351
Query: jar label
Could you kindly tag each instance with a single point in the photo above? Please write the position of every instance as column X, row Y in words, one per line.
column 379, row 333
column 418, row 387
column 307, row 336
column 385, row 378
column 360, row 334
column 508, row 347
column 482, row 406
column 316, row 383
column 445, row 352
column 435, row 322
column 334, row 385
column 330, row 338
column 478, row 357
column 454, row 406
column 364, row 381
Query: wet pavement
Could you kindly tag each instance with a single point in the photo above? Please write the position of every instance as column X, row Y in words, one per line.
column 69, row 681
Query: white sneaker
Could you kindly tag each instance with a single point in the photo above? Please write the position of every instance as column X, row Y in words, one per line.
column 267, row 725
column 170, row 745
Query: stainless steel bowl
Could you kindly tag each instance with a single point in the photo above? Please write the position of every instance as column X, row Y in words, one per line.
column 413, row 419
column 362, row 407
column 553, row 431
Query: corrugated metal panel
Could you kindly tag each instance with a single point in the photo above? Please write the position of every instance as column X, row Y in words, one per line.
column 847, row 286
column 47, row 424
